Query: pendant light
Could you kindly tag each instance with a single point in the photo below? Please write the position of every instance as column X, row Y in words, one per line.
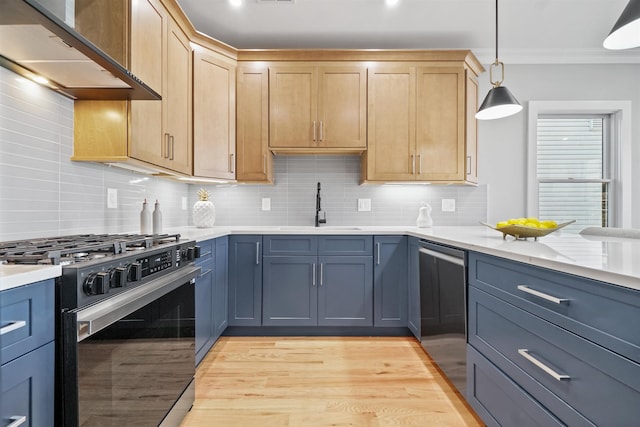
column 625, row 34
column 499, row 102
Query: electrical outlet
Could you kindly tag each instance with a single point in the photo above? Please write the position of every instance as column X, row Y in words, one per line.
column 448, row 205
column 112, row 198
column 266, row 204
column 184, row 203
column 364, row 205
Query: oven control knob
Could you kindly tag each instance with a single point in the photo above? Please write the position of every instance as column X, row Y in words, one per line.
column 196, row 251
column 97, row 284
column 135, row 272
column 119, row 277
column 191, row 254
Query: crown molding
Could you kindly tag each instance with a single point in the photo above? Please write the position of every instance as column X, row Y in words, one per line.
column 559, row 56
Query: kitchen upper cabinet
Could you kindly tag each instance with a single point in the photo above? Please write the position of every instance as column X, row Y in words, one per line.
column 153, row 135
column 214, row 115
column 421, row 125
column 317, row 108
column 254, row 160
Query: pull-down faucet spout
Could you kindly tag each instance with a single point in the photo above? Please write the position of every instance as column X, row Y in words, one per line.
column 319, row 220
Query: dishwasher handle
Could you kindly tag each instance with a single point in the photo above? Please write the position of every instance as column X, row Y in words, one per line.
column 445, row 257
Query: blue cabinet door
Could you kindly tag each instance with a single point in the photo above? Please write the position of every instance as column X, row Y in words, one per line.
column 390, row 281
column 220, row 287
column 27, row 389
column 245, row 280
column 414, row 320
column 345, row 291
column 289, row 291
column 204, row 326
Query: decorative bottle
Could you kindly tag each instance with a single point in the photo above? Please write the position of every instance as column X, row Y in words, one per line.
column 145, row 219
column 424, row 216
column 157, row 219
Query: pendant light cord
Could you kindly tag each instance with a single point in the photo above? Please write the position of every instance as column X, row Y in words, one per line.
column 496, row 31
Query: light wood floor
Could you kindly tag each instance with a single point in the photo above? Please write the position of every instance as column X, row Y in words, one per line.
column 320, row 381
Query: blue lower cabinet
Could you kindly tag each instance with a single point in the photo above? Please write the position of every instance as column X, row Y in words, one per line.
column 289, row 290
column 390, row 281
column 345, row 291
column 221, row 287
column 204, row 310
column 245, row 280
column 28, row 389
column 414, row 320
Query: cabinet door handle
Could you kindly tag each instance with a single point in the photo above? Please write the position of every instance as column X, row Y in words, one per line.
column 468, row 165
column 313, row 275
column 321, row 272
column 257, row 253
column 204, row 273
column 12, row 326
column 419, row 164
column 321, row 131
column 17, row 420
column 559, row 377
column 413, row 164
column 378, row 253
column 231, row 163
column 314, row 131
column 172, row 147
column 547, row 297
column 264, row 163
column 165, row 146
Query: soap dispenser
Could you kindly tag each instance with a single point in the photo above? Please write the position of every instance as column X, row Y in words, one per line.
column 424, row 216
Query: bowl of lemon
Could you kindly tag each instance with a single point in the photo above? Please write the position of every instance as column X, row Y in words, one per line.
column 523, row 228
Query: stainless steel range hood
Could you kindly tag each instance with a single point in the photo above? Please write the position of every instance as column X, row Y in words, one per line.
column 35, row 42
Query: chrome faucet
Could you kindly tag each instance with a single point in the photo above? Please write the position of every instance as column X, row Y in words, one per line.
column 319, row 220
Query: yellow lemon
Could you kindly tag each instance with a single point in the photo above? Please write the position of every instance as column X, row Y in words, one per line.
column 550, row 224
column 532, row 224
column 502, row 224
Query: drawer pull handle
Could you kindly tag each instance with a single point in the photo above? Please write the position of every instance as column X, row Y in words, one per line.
column 525, row 288
column 204, row 273
column 12, row 326
column 313, row 278
column 17, row 420
column 525, row 353
column 257, row 253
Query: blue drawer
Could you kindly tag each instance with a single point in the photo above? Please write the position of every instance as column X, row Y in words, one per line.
column 603, row 313
column 498, row 400
column 345, row 245
column 28, row 388
column 602, row 386
column 27, row 314
column 207, row 251
column 290, row 245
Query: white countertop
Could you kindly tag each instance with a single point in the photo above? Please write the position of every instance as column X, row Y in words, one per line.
column 12, row 276
column 608, row 259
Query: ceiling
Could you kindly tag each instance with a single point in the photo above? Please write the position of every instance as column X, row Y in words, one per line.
column 531, row 31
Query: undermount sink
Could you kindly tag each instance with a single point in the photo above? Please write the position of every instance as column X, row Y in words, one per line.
column 310, row 227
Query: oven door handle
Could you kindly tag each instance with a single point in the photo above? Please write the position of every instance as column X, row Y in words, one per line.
column 98, row 316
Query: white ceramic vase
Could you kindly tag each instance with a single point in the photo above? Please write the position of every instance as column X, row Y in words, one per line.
column 204, row 214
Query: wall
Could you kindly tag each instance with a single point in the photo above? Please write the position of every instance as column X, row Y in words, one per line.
column 503, row 143
column 43, row 193
column 293, row 197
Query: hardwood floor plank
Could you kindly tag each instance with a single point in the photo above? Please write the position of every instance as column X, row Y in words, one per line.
column 323, row 381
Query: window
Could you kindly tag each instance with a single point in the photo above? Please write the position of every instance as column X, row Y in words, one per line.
column 575, row 164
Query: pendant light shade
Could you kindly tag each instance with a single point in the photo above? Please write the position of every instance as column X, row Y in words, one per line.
column 499, row 102
column 625, row 34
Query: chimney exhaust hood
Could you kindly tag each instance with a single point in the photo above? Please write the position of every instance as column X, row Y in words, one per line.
column 34, row 42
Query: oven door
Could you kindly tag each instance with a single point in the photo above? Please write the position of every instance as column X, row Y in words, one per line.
column 130, row 360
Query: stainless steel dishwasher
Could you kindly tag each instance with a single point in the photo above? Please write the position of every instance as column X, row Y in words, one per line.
column 443, row 308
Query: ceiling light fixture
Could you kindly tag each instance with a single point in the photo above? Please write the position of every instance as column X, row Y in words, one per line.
column 499, row 102
column 625, row 34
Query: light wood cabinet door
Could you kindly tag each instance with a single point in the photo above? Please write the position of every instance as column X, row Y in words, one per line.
column 471, row 124
column 177, row 107
column 440, row 115
column 293, row 107
column 342, row 107
column 391, row 123
column 254, row 160
column 214, row 115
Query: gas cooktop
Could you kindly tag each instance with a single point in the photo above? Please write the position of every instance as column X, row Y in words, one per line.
column 78, row 248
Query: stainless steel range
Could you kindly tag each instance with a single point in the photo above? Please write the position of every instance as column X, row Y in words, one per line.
column 125, row 333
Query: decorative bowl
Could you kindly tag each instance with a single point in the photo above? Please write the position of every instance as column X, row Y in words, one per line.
column 524, row 232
